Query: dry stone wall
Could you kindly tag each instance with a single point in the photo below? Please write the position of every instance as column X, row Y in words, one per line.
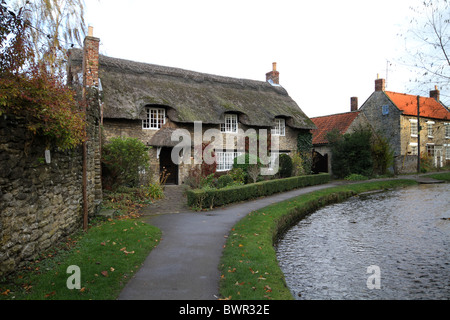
column 41, row 199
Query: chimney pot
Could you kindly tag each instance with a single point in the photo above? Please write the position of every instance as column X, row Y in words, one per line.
column 380, row 85
column 273, row 76
column 353, row 103
column 90, row 59
column 435, row 94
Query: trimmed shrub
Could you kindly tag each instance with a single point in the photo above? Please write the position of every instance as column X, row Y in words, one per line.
column 123, row 159
column 285, row 166
column 224, row 181
column 200, row 199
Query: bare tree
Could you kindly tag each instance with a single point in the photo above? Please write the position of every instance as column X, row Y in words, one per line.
column 428, row 44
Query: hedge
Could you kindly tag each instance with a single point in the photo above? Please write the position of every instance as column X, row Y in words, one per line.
column 210, row 198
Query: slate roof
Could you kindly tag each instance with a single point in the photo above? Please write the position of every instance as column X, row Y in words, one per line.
column 325, row 124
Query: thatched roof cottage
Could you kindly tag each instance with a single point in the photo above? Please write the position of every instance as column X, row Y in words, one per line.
column 150, row 101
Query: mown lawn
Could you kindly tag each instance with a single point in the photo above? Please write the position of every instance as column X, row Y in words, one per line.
column 107, row 255
column 249, row 267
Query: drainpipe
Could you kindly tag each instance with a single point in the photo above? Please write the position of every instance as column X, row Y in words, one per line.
column 418, row 134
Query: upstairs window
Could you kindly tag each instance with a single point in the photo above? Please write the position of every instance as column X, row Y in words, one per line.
column 155, row 118
column 447, row 130
column 414, row 128
column 385, row 110
column 230, row 125
column 280, row 127
column 430, row 128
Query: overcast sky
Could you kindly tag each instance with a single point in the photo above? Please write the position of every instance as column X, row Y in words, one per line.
column 326, row 51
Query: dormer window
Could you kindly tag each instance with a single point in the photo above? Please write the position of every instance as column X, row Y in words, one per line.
column 230, row 125
column 279, row 128
column 155, row 118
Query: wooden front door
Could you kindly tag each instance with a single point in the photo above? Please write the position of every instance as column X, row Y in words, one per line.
column 167, row 166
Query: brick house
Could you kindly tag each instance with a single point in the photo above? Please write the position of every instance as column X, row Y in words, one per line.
column 341, row 122
column 152, row 102
column 395, row 116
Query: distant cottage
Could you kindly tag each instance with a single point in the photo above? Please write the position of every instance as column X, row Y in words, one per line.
column 149, row 102
column 342, row 123
column 395, row 116
column 410, row 133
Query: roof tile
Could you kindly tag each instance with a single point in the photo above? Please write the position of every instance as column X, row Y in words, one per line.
column 325, row 124
column 429, row 107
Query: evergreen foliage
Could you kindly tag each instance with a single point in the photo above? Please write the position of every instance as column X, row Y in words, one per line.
column 123, row 160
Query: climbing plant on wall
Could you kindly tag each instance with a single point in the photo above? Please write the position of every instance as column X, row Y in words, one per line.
column 304, row 149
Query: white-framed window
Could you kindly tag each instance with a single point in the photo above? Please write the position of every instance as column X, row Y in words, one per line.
column 385, row 110
column 447, row 151
column 279, row 129
column 155, row 118
column 414, row 148
column 225, row 159
column 447, row 130
column 430, row 128
column 230, row 125
column 430, row 150
column 414, row 127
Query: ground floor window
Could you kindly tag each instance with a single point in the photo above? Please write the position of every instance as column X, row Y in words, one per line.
column 414, row 148
column 225, row 159
column 430, row 150
column 447, row 152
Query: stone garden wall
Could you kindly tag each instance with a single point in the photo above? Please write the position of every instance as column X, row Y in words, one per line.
column 41, row 199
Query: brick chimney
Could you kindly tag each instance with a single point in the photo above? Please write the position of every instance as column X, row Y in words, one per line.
column 353, row 103
column 273, row 75
column 380, row 85
column 435, row 94
column 90, row 59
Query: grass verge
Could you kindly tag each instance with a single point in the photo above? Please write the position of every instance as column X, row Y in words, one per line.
column 107, row 255
column 249, row 267
column 440, row 176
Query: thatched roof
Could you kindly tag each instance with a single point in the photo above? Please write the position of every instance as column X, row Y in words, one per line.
column 189, row 96
column 163, row 138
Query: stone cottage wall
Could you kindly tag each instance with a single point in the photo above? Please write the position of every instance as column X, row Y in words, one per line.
column 133, row 128
column 42, row 203
column 387, row 124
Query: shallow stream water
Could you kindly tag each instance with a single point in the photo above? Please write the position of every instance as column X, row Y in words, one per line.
column 389, row 245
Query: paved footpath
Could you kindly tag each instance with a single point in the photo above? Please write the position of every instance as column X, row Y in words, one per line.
column 184, row 265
